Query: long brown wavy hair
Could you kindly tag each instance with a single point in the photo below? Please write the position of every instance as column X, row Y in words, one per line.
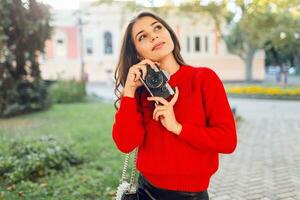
column 129, row 55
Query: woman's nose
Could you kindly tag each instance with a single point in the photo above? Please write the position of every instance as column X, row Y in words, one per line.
column 153, row 36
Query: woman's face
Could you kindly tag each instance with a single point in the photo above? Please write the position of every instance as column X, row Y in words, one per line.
column 151, row 39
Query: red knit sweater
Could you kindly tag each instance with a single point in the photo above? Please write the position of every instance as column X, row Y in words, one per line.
column 183, row 162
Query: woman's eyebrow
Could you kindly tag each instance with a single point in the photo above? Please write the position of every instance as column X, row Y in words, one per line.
column 143, row 30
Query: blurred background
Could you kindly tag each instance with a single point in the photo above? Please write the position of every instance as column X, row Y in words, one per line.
column 57, row 62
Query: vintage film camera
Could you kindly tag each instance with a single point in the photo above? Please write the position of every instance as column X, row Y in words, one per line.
column 156, row 82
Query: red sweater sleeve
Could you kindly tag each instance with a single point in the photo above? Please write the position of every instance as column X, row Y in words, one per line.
column 128, row 131
column 219, row 134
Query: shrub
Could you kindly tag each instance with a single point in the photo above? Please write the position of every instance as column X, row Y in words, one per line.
column 22, row 96
column 67, row 91
column 29, row 160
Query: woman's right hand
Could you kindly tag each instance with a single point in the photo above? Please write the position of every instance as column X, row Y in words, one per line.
column 133, row 77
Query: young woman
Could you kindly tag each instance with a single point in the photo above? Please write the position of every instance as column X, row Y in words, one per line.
column 178, row 139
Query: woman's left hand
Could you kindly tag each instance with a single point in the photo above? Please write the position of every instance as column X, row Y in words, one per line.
column 165, row 113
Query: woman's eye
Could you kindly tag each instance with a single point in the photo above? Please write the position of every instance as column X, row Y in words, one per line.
column 158, row 27
column 140, row 38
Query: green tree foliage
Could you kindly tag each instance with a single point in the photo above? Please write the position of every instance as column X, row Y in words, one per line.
column 24, row 28
column 260, row 26
column 283, row 45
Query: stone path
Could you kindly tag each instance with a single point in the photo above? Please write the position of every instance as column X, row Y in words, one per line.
column 266, row 162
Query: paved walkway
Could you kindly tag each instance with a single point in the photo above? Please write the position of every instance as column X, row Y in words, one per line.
column 266, row 162
column 101, row 91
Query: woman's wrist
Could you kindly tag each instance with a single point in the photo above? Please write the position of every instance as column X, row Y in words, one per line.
column 178, row 128
column 129, row 92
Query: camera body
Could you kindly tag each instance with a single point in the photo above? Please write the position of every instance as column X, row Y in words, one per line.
column 156, row 82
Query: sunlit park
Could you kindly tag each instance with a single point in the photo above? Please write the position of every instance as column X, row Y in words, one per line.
column 57, row 93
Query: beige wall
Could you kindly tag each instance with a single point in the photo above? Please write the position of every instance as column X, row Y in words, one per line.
column 231, row 68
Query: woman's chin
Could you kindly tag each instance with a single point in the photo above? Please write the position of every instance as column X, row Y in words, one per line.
column 160, row 56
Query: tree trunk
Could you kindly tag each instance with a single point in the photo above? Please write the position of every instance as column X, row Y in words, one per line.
column 248, row 64
column 20, row 60
column 297, row 63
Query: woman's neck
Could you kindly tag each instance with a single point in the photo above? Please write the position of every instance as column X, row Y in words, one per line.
column 169, row 64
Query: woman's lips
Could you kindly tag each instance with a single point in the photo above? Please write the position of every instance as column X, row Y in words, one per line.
column 158, row 46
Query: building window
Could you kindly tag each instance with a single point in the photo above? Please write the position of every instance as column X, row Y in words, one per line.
column 206, row 44
column 197, row 44
column 188, row 48
column 60, row 45
column 108, row 43
column 89, row 47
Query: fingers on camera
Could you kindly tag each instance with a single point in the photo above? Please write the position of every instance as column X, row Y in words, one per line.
column 144, row 70
column 137, row 74
column 143, row 66
column 149, row 62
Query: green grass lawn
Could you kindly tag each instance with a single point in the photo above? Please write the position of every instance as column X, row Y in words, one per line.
column 88, row 126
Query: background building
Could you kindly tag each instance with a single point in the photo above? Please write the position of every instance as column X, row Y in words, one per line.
column 103, row 27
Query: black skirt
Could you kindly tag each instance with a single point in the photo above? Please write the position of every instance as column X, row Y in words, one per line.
column 146, row 191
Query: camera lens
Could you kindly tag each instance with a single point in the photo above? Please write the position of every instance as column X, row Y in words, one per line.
column 154, row 80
